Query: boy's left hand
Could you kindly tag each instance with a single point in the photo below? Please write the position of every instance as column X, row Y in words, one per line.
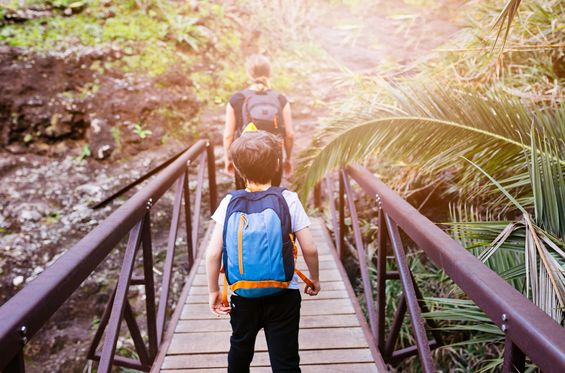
column 215, row 304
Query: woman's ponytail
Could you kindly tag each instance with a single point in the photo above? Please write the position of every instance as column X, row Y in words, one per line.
column 262, row 84
column 259, row 70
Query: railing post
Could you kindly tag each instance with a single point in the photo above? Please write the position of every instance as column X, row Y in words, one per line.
column 381, row 277
column 150, row 306
column 212, row 187
column 198, row 201
column 113, row 328
column 333, row 212
column 188, row 218
column 417, row 322
column 341, row 233
column 169, row 259
column 367, row 288
column 514, row 359
column 318, row 196
column 17, row 365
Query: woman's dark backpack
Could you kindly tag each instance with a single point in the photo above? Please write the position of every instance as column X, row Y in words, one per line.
column 263, row 109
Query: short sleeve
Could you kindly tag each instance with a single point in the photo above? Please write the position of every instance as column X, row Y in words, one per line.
column 236, row 102
column 219, row 215
column 298, row 217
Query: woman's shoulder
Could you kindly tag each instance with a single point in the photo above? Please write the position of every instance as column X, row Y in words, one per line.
column 237, row 98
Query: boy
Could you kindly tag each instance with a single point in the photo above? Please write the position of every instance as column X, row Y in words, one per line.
column 256, row 158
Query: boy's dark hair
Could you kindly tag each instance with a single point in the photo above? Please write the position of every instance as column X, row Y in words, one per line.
column 256, row 156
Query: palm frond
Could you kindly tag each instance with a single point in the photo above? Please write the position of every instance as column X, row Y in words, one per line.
column 506, row 16
column 431, row 128
column 544, row 260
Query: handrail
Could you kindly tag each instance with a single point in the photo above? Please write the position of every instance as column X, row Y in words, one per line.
column 527, row 328
column 24, row 314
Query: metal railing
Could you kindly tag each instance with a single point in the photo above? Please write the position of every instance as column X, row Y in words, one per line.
column 23, row 315
column 528, row 330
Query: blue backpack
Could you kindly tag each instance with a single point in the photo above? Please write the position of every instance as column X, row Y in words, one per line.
column 258, row 244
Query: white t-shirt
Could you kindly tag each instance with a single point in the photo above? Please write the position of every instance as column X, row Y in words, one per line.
column 298, row 219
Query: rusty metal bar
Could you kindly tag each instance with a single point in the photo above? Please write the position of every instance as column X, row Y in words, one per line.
column 399, row 355
column 126, row 362
column 434, row 328
column 188, row 220
column 318, row 196
column 101, row 326
column 533, row 331
column 40, row 299
column 17, row 365
column 212, row 186
column 113, row 327
column 333, row 212
column 381, row 280
column 514, row 359
column 149, row 287
column 341, row 232
column 138, row 342
column 367, row 288
column 139, row 180
column 395, row 328
column 411, row 299
column 198, row 200
column 169, row 259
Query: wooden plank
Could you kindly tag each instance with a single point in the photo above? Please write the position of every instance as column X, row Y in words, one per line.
column 320, row 307
column 306, row 322
column 379, row 362
column 338, row 368
column 309, row 339
column 168, row 335
column 261, row 359
column 332, row 328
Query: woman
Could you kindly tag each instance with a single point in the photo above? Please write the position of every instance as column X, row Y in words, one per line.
column 259, row 107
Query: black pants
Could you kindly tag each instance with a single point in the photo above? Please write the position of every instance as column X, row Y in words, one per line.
column 279, row 315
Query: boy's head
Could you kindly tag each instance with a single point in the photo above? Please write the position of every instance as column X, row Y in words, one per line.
column 256, row 156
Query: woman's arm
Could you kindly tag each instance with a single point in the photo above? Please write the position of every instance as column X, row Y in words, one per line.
column 310, row 253
column 229, row 134
column 288, row 139
column 213, row 263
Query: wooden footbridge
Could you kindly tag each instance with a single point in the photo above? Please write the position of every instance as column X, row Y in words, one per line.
column 334, row 336
column 337, row 331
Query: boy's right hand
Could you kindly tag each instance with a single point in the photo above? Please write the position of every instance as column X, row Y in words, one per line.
column 215, row 304
column 313, row 290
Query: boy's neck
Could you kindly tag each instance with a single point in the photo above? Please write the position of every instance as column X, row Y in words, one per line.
column 255, row 187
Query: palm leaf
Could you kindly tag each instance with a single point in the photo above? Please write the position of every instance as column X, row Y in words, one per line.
column 506, row 16
column 430, row 127
column 544, row 260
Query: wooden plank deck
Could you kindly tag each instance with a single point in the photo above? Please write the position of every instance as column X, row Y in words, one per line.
column 334, row 336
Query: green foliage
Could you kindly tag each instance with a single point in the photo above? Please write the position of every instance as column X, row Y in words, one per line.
column 139, row 131
column 433, row 128
column 117, row 136
column 85, row 152
column 526, row 67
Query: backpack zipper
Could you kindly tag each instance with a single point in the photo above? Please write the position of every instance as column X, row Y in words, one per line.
column 242, row 221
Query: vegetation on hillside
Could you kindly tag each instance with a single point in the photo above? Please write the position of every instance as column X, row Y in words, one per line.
column 483, row 121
